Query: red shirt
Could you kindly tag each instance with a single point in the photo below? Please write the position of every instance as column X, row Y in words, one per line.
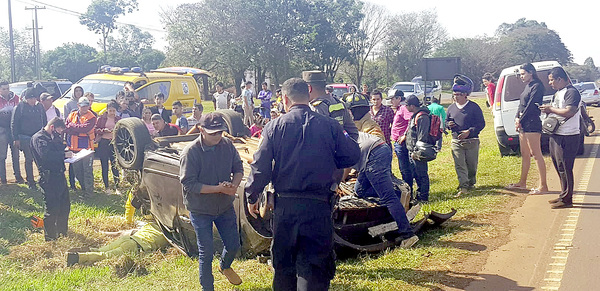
column 384, row 117
column 491, row 89
column 400, row 123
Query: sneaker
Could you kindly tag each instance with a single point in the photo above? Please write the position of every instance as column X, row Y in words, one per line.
column 72, row 259
column 554, row 201
column 409, row 242
column 461, row 192
column 231, row 275
column 561, row 204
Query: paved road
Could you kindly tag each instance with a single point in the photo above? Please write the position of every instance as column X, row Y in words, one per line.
column 552, row 249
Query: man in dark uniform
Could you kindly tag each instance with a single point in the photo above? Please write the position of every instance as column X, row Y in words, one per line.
column 48, row 152
column 302, row 247
column 326, row 104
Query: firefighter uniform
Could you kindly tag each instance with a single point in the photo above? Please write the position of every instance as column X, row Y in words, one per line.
column 49, row 155
column 306, row 148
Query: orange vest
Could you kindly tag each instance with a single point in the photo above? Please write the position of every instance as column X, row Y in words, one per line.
column 82, row 140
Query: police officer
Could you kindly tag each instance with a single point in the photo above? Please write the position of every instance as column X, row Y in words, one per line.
column 326, row 104
column 48, row 152
column 302, row 247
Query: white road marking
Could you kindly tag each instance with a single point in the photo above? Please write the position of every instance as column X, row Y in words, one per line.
column 560, row 254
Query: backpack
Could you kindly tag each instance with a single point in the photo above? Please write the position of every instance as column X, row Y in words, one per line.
column 435, row 127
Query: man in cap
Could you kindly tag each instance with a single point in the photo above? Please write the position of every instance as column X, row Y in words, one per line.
column 302, row 247
column 466, row 121
column 211, row 171
column 327, row 105
column 28, row 118
column 80, row 135
column 48, row 152
column 8, row 102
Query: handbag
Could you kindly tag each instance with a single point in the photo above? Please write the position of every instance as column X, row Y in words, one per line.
column 550, row 124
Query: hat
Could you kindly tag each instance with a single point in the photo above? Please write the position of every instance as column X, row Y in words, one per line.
column 29, row 93
column 462, row 84
column 213, row 122
column 314, row 76
column 83, row 101
column 397, row 94
column 413, row 100
column 356, row 100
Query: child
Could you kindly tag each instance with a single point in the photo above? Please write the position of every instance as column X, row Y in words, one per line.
column 181, row 120
column 146, row 115
column 105, row 151
column 256, row 128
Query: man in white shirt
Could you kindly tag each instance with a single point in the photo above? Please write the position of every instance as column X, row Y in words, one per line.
column 51, row 111
column 565, row 141
column 221, row 97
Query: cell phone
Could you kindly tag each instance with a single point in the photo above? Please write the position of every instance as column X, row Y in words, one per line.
column 537, row 104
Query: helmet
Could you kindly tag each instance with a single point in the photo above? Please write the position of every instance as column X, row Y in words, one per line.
column 356, row 100
column 462, row 84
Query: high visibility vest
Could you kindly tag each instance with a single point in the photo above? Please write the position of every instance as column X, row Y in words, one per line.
column 82, row 140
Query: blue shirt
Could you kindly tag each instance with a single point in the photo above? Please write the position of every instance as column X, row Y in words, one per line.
column 307, row 148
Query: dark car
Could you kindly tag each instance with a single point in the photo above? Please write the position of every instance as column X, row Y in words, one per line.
column 360, row 225
column 55, row 87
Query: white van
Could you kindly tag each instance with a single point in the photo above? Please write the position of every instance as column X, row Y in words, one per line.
column 506, row 104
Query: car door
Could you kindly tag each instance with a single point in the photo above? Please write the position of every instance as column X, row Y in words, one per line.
column 511, row 93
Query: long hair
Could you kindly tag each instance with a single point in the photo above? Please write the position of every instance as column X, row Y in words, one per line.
column 529, row 68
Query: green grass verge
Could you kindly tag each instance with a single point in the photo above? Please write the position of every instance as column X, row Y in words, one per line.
column 29, row 263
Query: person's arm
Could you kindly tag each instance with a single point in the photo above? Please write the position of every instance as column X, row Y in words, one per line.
column 572, row 100
column 15, row 122
column 349, row 125
column 261, row 169
column 189, row 172
column 214, row 100
column 73, row 128
column 479, row 121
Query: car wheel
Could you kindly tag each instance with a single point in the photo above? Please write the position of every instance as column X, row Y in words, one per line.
column 131, row 137
column 504, row 151
column 235, row 123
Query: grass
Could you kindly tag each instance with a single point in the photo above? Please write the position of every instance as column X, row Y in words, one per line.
column 439, row 260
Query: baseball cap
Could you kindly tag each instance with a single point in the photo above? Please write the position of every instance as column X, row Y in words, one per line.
column 83, row 101
column 413, row 100
column 213, row 122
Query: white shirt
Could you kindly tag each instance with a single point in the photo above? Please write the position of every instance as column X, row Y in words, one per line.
column 221, row 99
column 571, row 127
column 51, row 113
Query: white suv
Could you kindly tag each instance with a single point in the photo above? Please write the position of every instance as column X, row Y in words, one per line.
column 506, row 104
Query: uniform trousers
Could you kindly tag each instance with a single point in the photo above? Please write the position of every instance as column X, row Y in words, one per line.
column 58, row 204
column 302, row 246
column 563, row 149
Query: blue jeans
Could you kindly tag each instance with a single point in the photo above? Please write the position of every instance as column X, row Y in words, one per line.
column 438, row 144
column 376, row 181
column 406, row 169
column 422, row 178
column 226, row 224
column 265, row 110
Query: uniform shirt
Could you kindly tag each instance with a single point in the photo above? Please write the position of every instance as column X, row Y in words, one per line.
column 48, row 152
column 469, row 117
column 332, row 107
column 306, row 148
column 400, row 124
column 568, row 96
column 203, row 165
column 150, row 237
column 385, row 118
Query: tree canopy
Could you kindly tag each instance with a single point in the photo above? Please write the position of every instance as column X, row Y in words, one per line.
column 101, row 16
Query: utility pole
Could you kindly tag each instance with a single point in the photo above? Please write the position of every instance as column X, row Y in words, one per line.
column 13, row 77
column 36, row 41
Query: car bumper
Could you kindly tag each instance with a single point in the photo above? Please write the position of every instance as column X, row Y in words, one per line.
column 504, row 139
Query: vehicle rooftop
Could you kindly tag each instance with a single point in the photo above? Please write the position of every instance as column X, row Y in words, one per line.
column 538, row 66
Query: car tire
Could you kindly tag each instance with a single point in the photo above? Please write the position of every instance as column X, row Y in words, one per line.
column 235, row 123
column 131, row 136
column 504, row 151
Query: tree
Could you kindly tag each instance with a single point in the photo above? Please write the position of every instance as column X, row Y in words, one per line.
column 412, row 36
column 530, row 41
column 101, row 16
column 590, row 63
column 372, row 31
column 583, row 73
column 71, row 61
column 24, row 56
column 132, row 48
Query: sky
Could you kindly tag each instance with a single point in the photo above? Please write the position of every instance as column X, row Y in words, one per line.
column 460, row 18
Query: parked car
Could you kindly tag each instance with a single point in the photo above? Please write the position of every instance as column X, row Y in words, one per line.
column 409, row 88
column 55, row 87
column 360, row 225
column 176, row 83
column 589, row 92
column 340, row 89
column 431, row 88
column 506, row 104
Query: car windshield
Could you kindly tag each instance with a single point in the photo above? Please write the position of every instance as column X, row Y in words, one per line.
column 405, row 88
column 64, row 87
column 514, row 86
column 104, row 90
column 584, row 86
column 18, row 89
column 339, row 92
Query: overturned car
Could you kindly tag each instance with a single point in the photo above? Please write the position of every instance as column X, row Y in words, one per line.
column 361, row 225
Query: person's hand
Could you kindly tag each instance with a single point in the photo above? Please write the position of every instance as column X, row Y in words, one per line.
column 451, row 124
column 227, row 188
column 546, row 108
column 68, row 154
column 253, row 209
column 128, row 87
column 17, row 144
column 517, row 124
column 402, row 139
column 464, row 134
